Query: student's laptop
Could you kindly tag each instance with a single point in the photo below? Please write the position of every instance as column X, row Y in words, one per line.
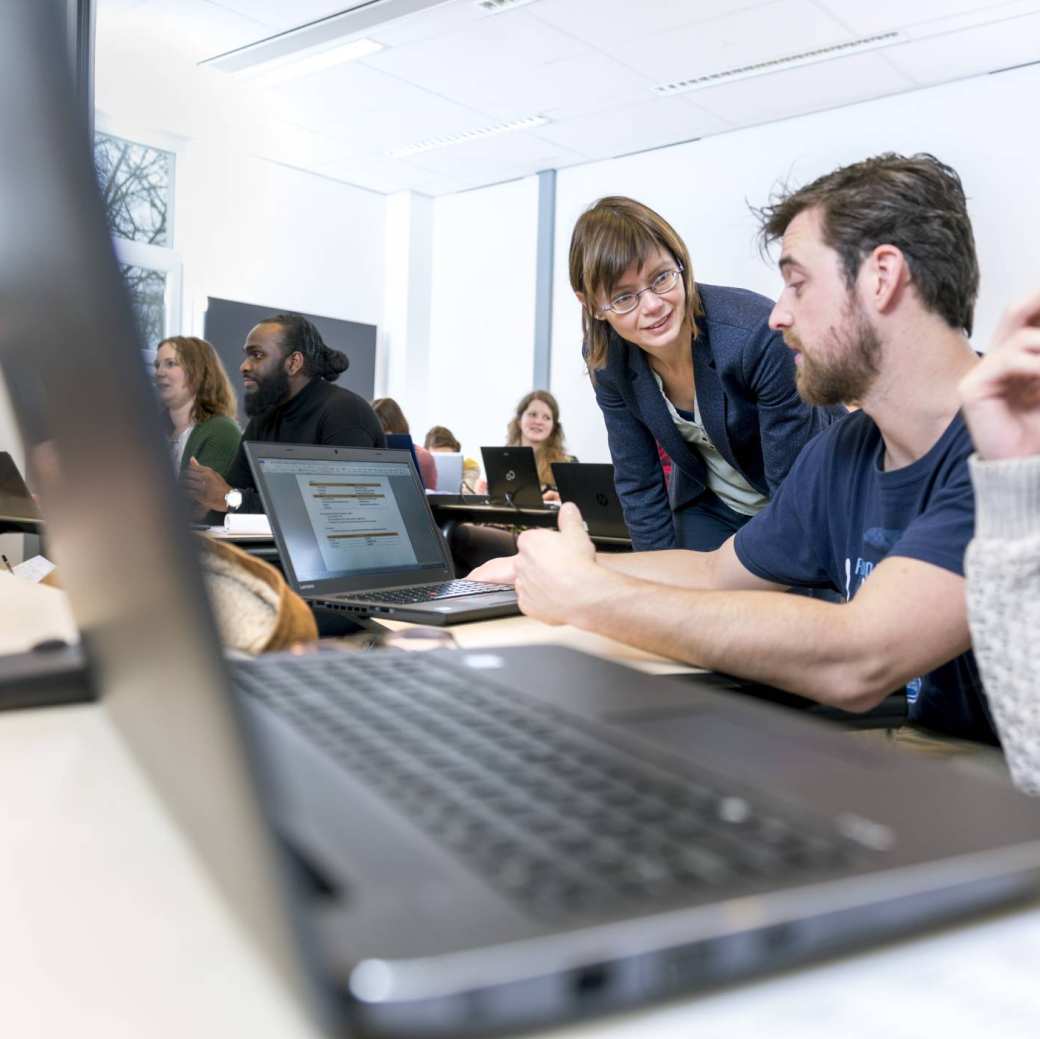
column 448, row 843
column 590, row 485
column 17, row 507
column 512, row 477
column 403, row 442
column 449, row 471
column 355, row 532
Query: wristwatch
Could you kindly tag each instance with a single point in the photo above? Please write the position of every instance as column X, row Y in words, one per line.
column 233, row 499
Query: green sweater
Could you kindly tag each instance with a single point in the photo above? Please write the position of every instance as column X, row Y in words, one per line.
column 213, row 443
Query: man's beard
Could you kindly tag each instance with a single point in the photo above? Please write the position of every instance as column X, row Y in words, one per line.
column 850, row 362
column 270, row 391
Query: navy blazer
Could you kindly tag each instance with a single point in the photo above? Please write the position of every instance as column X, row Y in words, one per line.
column 745, row 383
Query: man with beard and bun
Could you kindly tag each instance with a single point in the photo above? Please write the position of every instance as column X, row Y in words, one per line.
column 880, row 279
column 288, row 373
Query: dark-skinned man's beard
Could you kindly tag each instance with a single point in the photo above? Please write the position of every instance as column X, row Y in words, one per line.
column 270, row 391
column 844, row 368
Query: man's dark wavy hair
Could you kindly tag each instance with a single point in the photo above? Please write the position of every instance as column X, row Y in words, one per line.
column 300, row 335
column 915, row 203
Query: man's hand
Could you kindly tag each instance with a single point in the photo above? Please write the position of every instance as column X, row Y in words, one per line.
column 495, row 571
column 556, row 573
column 206, row 486
column 1001, row 394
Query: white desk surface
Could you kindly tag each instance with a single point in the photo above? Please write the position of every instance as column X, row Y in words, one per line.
column 111, row 929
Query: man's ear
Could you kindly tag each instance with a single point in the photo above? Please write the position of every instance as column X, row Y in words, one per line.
column 294, row 363
column 888, row 277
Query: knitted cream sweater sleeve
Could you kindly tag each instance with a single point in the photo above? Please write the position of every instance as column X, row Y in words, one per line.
column 1002, row 568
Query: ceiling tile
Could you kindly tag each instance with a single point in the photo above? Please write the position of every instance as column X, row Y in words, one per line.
column 969, row 53
column 615, row 25
column 194, row 28
column 759, row 34
column 462, row 65
column 809, row 88
column 564, row 89
column 281, row 15
column 882, row 15
column 620, row 131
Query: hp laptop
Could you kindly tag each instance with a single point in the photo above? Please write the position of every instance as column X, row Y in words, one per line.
column 449, row 471
column 447, row 843
column 590, row 486
column 512, row 477
column 355, row 532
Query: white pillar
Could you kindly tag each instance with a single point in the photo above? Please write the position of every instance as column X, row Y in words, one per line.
column 403, row 359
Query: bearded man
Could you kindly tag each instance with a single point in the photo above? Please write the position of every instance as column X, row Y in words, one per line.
column 880, row 280
column 288, row 373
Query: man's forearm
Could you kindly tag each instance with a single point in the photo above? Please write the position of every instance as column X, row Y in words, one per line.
column 674, row 566
column 793, row 643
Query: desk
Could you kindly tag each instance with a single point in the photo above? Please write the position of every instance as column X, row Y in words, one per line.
column 449, row 509
column 112, row 930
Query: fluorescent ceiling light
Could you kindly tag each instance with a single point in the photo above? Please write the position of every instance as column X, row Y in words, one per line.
column 763, row 68
column 431, row 143
column 297, row 66
column 359, row 18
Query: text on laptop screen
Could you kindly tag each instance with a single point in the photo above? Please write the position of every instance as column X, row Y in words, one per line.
column 342, row 518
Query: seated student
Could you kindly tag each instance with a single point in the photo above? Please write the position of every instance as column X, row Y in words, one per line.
column 392, row 419
column 1001, row 399
column 685, row 370
column 440, row 438
column 288, row 373
column 536, row 424
column 199, row 401
column 880, row 279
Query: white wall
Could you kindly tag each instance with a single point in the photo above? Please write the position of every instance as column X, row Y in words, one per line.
column 703, row 189
column 482, row 312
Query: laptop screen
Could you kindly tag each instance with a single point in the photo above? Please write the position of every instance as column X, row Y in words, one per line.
column 347, row 523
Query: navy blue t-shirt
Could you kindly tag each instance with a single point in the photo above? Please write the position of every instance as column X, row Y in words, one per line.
column 838, row 514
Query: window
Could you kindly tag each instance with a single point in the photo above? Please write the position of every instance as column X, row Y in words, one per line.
column 136, row 182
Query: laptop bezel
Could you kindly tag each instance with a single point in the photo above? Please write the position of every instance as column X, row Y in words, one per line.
column 343, row 587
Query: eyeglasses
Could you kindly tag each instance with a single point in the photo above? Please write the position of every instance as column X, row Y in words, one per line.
column 628, row 301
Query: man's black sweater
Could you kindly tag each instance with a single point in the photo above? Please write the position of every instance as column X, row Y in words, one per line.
column 320, row 413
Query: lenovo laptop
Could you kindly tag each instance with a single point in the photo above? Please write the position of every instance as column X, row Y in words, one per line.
column 355, row 532
column 590, row 485
column 448, row 843
column 512, row 477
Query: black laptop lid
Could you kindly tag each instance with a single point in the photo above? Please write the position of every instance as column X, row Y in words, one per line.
column 348, row 519
column 590, row 485
column 512, row 476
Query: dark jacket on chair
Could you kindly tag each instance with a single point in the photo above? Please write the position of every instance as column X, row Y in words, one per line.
column 745, row 384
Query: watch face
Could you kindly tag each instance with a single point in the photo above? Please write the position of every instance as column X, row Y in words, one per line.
column 233, row 499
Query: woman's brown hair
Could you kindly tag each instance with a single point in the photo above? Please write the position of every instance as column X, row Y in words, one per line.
column 206, row 376
column 390, row 415
column 551, row 449
column 609, row 237
column 441, row 436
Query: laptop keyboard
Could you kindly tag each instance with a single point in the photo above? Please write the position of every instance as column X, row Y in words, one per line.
column 430, row 592
column 557, row 818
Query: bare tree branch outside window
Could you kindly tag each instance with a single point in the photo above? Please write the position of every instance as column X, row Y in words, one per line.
column 148, row 292
column 135, row 185
column 135, row 182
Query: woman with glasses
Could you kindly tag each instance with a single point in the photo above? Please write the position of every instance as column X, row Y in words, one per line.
column 693, row 369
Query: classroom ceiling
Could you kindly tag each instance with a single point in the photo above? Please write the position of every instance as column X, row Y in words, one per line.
column 588, row 68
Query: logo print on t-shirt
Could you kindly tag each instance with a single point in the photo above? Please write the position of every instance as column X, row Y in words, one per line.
column 880, row 538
